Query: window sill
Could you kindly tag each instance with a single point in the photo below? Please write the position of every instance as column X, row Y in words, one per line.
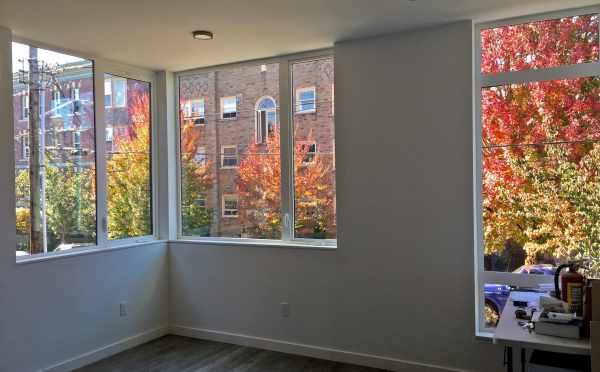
column 25, row 260
column 325, row 245
column 306, row 112
column 486, row 336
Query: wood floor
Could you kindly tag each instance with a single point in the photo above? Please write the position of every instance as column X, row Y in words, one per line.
column 175, row 353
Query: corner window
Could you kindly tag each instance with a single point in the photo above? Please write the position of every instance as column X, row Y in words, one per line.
column 229, row 107
column 537, row 155
column 230, row 206
column 306, row 100
column 229, row 156
column 55, row 185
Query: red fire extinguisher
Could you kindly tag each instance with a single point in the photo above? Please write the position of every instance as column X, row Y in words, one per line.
column 571, row 287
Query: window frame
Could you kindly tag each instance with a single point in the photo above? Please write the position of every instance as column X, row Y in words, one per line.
column 286, row 110
column 235, row 98
column 229, row 197
column 100, row 67
column 260, row 138
column 223, row 156
column 480, row 81
column 300, row 102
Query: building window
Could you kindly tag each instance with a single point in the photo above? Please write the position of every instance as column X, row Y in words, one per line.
column 25, row 106
column 75, row 100
column 299, row 207
column 108, row 102
column 194, row 110
column 201, row 156
column 536, row 154
column 64, row 214
column 77, row 140
column 129, row 161
column 230, row 206
column 229, row 107
column 229, row 156
column 200, row 201
column 306, row 100
column 115, row 92
column 24, row 145
column 56, row 102
column 266, row 119
column 308, row 152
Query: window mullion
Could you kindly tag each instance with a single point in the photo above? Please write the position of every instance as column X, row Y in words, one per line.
column 101, row 210
column 287, row 154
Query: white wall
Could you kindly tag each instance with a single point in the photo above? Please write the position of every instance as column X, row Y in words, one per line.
column 56, row 310
column 400, row 284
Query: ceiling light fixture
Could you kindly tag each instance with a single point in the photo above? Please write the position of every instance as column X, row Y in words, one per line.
column 202, row 35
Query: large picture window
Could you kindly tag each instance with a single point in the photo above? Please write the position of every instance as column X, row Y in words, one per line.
column 539, row 153
column 64, row 201
column 245, row 190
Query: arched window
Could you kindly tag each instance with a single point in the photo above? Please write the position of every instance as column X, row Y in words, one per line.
column 266, row 118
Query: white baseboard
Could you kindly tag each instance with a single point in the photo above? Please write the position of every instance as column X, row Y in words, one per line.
column 108, row 350
column 367, row 360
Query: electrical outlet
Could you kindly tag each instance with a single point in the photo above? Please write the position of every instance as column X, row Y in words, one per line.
column 285, row 310
column 123, row 308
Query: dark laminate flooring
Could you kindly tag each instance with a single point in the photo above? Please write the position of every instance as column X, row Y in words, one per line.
column 175, row 353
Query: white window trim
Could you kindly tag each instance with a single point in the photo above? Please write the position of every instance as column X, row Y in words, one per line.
column 257, row 129
column 310, row 143
column 237, row 110
column 102, row 67
column 223, row 209
column 299, row 102
column 286, row 112
column 25, row 107
column 201, row 150
column 514, row 77
column 223, row 156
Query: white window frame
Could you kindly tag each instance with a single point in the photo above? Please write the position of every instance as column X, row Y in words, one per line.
column 189, row 111
column 108, row 91
column 314, row 153
column 75, row 100
column 223, row 112
column 285, row 121
column 56, row 103
column 102, row 67
column 514, row 77
column 225, row 211
column 258, row 134
column 236, row 156
column 300, row 102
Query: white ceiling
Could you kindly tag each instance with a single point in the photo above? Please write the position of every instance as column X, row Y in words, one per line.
column 156, row 33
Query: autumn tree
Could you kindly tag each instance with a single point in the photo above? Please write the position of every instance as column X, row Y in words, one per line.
column 129, row 194
column 259, row 188
column 196, row 181
column 540, row 151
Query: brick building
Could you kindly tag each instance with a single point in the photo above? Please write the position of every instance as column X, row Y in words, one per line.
column 236, row 107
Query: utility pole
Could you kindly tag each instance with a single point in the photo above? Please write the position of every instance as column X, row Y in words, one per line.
column 37, row 170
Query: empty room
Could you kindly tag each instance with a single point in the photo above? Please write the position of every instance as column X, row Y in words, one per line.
column 290, row 186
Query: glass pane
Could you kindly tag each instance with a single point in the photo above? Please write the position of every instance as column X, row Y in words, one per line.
column 240, row 185
column 314, row 179
column 543, row 44
column 55, row 166
column 541, row 176
column 128, row 161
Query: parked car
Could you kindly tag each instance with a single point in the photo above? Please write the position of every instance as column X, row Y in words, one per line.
column 496, row 295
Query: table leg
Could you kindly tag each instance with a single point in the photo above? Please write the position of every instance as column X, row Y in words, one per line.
column 508, row 358
column 523, row 360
